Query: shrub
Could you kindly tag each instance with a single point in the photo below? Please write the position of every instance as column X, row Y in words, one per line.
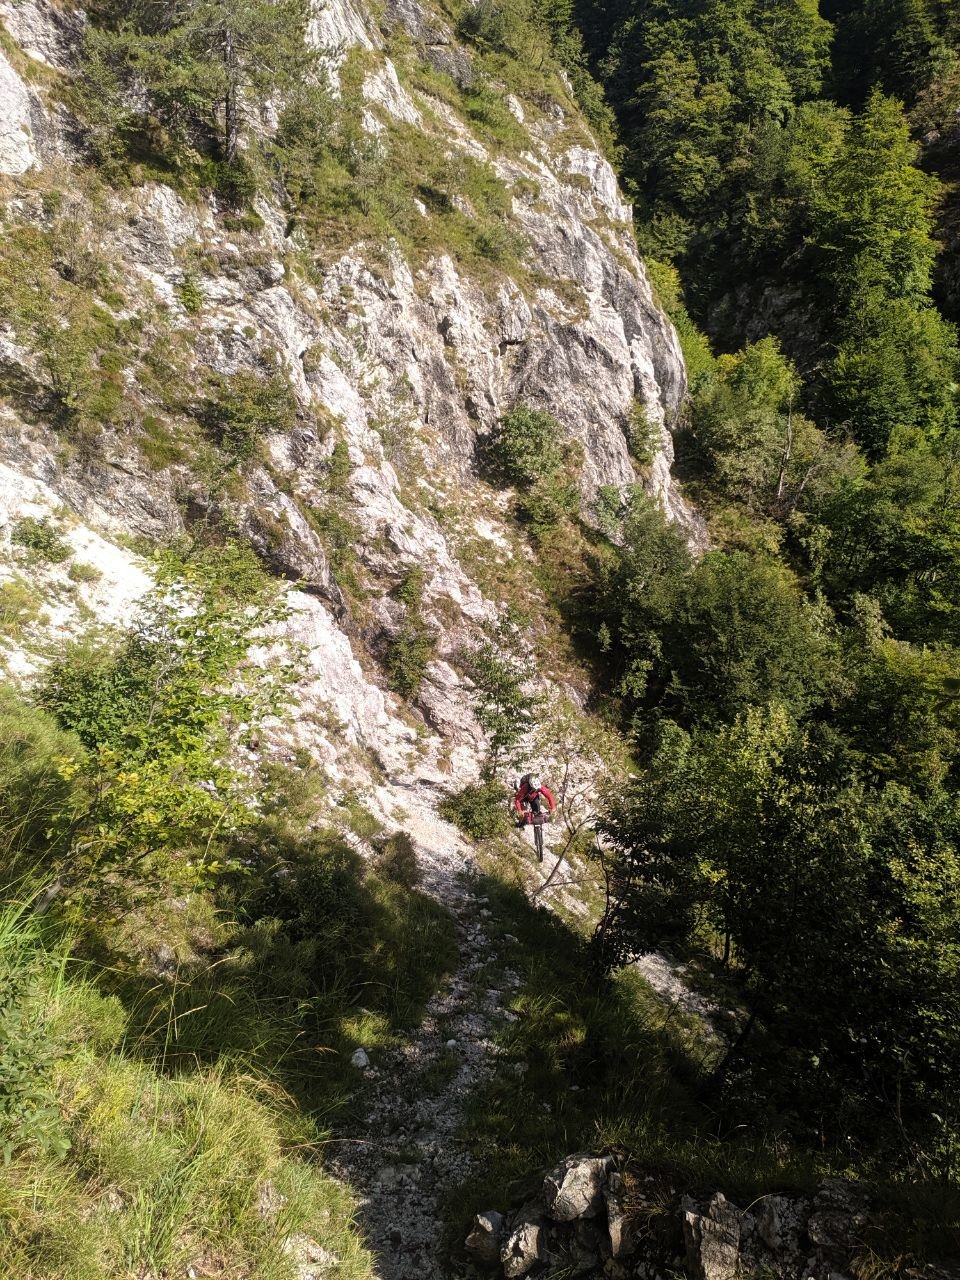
column 40, row 540
column 498, row 668
column 408, row 655
column 643, row 434
column 525, row 445
column 164, row 708
column 82, row 572
column 246, row 406
column 189, row 295
column 398, row 861
column 479, row 810
column 528, row 451
column 411, row 650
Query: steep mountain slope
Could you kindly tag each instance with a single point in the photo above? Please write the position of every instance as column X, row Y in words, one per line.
column 178, row 368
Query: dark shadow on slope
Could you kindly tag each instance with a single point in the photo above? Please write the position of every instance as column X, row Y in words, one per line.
column 319, row 955
column 596, row 1062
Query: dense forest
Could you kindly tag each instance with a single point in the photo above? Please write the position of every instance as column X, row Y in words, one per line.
column 796, row 690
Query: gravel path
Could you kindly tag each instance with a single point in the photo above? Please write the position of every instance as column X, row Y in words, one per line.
column 403, row 1156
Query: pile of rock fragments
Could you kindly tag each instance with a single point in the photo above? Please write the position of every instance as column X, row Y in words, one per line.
column 592, row 1218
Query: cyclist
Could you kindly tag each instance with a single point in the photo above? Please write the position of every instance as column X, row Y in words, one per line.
column 529, row 798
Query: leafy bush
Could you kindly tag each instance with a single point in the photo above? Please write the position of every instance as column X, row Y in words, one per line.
column 479, row 810
column 412, row 649
column 525, row 446
column 41, row 539
column 528, row 451
column 499, row 667
column 79, row 571
column 190, row 295
column 408, row 655
column 161, row 710
column 246, row 406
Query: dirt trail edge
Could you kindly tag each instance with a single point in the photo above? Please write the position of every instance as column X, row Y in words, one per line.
column 403, row 1155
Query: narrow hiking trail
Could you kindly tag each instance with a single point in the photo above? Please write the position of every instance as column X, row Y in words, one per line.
column 402, row 1155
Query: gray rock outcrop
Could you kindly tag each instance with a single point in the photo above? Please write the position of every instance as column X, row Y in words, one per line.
column 649, row 1231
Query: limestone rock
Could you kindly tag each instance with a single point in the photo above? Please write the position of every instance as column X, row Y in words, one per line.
column 484, row 1239
column 17, row 150
column 522, row 1249
column 712, row 1239
column 574, row 1189
column 780, row 1222
column 622, row 1244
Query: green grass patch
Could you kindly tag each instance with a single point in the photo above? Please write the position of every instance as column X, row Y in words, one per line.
column 20, row 607
column 115, row 1167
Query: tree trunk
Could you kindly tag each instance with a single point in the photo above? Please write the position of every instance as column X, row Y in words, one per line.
column 231, row 115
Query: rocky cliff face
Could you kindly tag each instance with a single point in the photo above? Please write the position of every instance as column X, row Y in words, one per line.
column 408, row 365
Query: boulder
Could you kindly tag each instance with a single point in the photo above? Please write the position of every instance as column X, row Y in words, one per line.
column 712, row 1239
column 522, row 1249
column 484, row 1240
column 575, row 1188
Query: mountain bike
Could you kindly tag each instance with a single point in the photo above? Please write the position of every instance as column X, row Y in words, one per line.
column 537, row 820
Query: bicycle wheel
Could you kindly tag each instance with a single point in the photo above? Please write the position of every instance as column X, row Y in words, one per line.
column 538, row 840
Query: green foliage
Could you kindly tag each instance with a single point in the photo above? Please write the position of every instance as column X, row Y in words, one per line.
column 344, row 185
column 188, row 1156
column 875, row 218
column 79, row 571
column 891, row 532
column 40, row 792
column 41, row 539
column 413, row 647
column 697, row 85
column 81, row 349
column 894, row 369
column 479, row 809
column 529, row 452
column 161, row 711
column 190, row 295
column 499, row 667
column 812, row 653
column 832, row 902
column 30, row 1119
column 151, row 81
column 19, row 606
column 397, row 861
column 246, row 406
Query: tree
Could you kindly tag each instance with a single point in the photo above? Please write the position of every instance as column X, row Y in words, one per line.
column 832, row 903
column 896, row 367
column 876, row 215
column 199, row 64
column 161, row 712
column 742, row 634
column 893, row 533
